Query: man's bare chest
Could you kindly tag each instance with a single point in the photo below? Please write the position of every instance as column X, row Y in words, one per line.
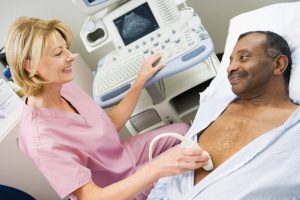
column 229, row 134
column 232, row 131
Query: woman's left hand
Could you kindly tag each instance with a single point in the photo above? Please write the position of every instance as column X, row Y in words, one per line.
column 150, row 66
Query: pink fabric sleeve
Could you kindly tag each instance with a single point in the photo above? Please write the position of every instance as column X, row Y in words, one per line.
column 63, row 167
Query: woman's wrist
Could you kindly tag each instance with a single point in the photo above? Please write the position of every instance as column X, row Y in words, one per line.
column 140, row 81
column 152, row 170
column 138, row 85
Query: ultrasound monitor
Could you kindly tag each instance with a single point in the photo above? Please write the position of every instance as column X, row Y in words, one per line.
column 139, row 20
column 139, row 29
column 136, row 23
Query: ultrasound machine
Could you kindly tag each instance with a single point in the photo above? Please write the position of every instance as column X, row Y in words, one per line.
column 138, row 29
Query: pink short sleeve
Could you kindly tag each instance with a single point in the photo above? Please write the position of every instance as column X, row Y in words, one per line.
column 63, row 167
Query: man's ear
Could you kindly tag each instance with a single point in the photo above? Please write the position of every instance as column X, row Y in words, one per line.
column 281, row 64
column 27, row 66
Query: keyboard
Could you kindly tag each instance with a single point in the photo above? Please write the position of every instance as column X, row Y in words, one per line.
column 121, row 67
column 119, row 73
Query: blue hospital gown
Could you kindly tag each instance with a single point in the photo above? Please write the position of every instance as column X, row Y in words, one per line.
column 267, row 168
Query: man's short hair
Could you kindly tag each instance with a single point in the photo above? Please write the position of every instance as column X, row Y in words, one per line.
column 275, row 45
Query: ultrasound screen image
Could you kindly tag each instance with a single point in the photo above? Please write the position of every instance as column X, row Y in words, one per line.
column 136, row 24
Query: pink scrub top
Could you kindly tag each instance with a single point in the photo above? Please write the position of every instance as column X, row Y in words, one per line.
column 68, row 147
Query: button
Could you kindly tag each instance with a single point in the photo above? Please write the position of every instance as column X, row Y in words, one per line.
column 191, row 43
column 91, row 25
column 177, row 40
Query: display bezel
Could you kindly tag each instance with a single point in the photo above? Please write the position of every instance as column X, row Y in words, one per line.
column 112, row 29
column 148, row 14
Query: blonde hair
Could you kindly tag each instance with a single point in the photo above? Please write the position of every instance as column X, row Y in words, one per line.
column 27, row 41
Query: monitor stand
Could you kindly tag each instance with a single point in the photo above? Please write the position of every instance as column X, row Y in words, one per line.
column 156, row 92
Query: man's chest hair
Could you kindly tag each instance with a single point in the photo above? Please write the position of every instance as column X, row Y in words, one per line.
column 235, row 129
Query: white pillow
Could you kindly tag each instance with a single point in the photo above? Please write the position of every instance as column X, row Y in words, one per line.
column 284, row 19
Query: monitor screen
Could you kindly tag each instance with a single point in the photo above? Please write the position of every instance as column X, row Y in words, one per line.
column 136, row 23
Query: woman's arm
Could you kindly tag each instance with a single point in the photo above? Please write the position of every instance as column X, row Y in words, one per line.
column 172, row 162
column 121, row 113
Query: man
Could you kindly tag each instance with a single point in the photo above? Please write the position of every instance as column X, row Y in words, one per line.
column 251, row 135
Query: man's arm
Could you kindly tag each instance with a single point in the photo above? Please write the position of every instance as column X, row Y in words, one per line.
column 121, row 112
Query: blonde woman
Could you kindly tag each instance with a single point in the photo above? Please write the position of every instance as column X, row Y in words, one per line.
column 73, row 142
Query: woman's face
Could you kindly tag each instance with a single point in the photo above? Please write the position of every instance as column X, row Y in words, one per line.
column 55, row 65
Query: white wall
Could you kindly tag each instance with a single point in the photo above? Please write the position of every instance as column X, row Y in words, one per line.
column 64, row 10
column 215, row 16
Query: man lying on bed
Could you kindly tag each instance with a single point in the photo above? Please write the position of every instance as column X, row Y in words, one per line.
column 252, row 134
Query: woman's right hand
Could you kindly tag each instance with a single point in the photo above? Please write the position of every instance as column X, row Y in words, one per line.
column 177, row 160
column 150, row 66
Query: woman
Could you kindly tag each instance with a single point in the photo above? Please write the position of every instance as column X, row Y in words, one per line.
column 73, row 142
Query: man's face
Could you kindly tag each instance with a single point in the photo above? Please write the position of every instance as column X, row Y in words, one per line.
column 250, row 69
